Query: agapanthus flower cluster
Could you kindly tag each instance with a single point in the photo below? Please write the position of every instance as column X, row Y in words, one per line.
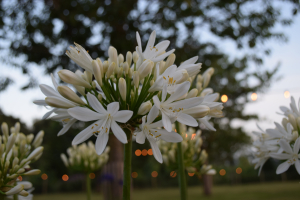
column 194, row 158
column 282, row 142
column 142, row 92
column 84, row 158
column 17, row 151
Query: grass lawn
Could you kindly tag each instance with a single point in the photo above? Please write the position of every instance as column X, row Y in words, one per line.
column 273, row 191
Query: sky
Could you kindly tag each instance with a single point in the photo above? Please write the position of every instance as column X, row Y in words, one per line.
column 19, row 104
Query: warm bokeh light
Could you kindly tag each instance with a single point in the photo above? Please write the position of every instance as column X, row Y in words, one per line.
column 238, row 170
column 138, row 152
column 193, row 136
column 44, row 176
column 134, row 174
column 150, row 152
column 186, row 135
column 175, row 130
column 144, row 152
column 20, row 178
column 286, row 94
column 173, row 174
column 224, row 98
column 254, row 96
column 65, row 177
column 154, row 174
column 92, row 175
column 222, row 172
column 191, row 174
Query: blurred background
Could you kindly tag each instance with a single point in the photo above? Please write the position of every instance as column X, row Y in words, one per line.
column 253, row 46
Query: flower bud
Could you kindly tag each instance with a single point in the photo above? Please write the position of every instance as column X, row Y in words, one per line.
column 15, row 190
column 206, row 91
column 113, row 54
column 136, row 79
column 64, row 159
column 120, row 72
column 170, row 61
column 20, row 171
column 146, row 69
column 110, row 70
column 4, row 129
column 161, row 67
column 144, row 108
column 120, row 59
column 15, row 161
column 128, row 58
column 199, row 87
column 70, row 77
column 211, row 172
column 293, row 121
column 24, row 193
column 99, row 97
column 203, row 156
column 35, row 153
column 105, row 66
column 130, row 73
column 29, row 138
column 10, row 142
column 33, row 172
column 38, row 139
column 88, row 76
column 17, row 127
column 122, row 88
column 184, row 77
column 126, row 68
column 135, row 56
column 59, row 102
column 192, row 93
column 97, row 72
column 151, row 82
column 69, row 94
column 197, row 111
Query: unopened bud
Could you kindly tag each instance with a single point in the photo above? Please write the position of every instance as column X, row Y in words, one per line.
column 184, row 77
column 4, row 129
column 29, row 138
column 97, row 72
column 10, row 142
column 24, row 193
column 69, row 94
column 161, row 67
column 135, row 57
column 151, row 82
column 70, row 77
column 105, row 66
column 59, row 102
column 125, row 68
column 113, row 54
column 64, row 159
column 145, row 69
column 128, row 58
column 170, row 61
column 38, row 139
column 120, row 58
column 17, row 189
column 136, row 79
column 122, row 88
column 35, row 152
column 144, row 108
column 197, row 111
column 292, row 120
column 192, row 93
column 110, row 70
column 120, row 72
column 100, row 97
column 33, row 172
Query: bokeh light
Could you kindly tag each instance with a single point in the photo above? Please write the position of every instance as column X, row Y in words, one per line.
column 134, row 174
column 224, row 98
column 92, row 175
column 144, row 152
column 173, row 174
column 191, row 174
column 20, row 178
column 154, row 174
column 222, row 172
column 150, row 152
column 254, row 96
column 138, row 152
column 193, row 136
column 286, row 94
column 238, row 170
column 65, row 177
column 44, row 176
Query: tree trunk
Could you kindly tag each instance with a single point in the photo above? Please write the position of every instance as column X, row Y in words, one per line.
column 112, row 172
column 207, row 184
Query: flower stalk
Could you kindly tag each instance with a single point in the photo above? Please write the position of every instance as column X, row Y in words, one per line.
column 88, row 187
column 181, row 169
column 15, row 196
column 127, row 166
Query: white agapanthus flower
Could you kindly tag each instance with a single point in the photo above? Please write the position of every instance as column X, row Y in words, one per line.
column 292, row 156
column 106, row 120
column 150, row 130
column 154, row 53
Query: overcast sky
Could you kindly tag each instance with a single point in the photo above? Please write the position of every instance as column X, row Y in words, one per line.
column 19, row 103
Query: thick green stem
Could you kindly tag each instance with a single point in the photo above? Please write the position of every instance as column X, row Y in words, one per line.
column 127, row 166
column 88, row 187
column 181, row 169
column 15, row 196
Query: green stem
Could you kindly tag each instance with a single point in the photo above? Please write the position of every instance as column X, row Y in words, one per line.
column 181, row 169
column 15, row 196
column 88, row 187
column 127, row 166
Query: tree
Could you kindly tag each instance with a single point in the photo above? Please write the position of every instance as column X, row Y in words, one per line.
column 38, row 33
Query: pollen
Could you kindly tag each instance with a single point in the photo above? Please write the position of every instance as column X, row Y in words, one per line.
column 158, row 136
column 66, row 120
column 164, row 78
column 92, row 127
column 96, row 124
column 106, row 130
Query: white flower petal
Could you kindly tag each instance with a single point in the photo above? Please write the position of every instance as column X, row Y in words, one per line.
column 163, row 56
column 187, row 103
column 85, row 114
column 286, row 146
column 280, row 156
column 156, row 124
column 156, row 152
column 113, row 107
column 189, row 61
column 87, row 132
column 206, row 123
column 297, row 146
column 118, row 132
column 282, row 167
column 156, row 101
column 297, row 165
column 138, row 39
column 94, row 102
column 140, row 137
column 66, row 127
column 47, row 114
column 164, row 93
column 166, row 122
column 150, row 43
column 101, row 143
column 122, row 116
column 181, row 90
column 152, row 114
column 54, row 82
column 167, row 136
column 48, row 91
column 40, row 102
column 187, row 119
